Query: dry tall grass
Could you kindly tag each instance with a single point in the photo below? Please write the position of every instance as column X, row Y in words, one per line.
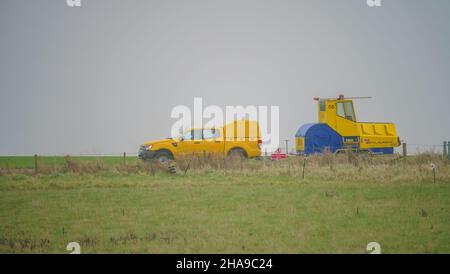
column 347, row 166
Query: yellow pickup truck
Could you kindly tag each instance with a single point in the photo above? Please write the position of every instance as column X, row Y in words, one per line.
column 238, row 138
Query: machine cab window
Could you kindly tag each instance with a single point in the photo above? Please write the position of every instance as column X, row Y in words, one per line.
column 349, row 112
column 321, row 105
column 345, row 110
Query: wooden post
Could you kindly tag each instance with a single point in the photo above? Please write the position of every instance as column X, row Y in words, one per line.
column 151, row 167
column 405, row 152
column 434, row 175
column 124, row 158
column 187, row 167
column 303, row 172
column 448, row 150
column 445, row 152
column 35, row 163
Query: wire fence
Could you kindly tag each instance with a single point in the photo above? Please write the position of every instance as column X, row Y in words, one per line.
column 39, row 162
column 411, row 149
column 426, row 148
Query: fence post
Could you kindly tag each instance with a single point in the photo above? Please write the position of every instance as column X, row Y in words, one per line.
column 445, row 152
column 35, row 163
column 448, row 150
column 303, row 171
column 405, row 152
column 124, row 158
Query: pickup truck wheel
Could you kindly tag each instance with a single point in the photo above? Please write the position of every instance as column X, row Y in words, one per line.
column 163, row 156
column 237, row 153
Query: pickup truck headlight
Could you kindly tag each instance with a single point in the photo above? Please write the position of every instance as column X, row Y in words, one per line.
column 147, row 147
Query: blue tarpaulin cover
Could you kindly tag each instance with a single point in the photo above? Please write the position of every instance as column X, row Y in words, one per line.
column 319, row 137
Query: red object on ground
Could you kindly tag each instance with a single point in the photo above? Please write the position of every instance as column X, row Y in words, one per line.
column 278, row 155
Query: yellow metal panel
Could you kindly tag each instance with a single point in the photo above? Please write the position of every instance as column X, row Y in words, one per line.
column 241, row 130
column 346, row 127
column 375, row 135
column 300, row 143
column 341, row 125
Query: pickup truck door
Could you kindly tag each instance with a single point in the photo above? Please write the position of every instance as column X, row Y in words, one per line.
column 191, row 143
column 213, row 141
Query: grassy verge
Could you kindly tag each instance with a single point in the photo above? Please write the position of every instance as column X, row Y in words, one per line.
column 221, row 212
column 28, row 161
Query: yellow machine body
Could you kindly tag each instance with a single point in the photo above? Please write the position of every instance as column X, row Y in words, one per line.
column 339, row 115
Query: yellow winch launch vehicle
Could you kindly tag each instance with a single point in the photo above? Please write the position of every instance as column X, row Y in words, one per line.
column 338, row 130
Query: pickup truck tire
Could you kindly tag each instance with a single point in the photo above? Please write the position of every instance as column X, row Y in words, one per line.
column 237, row 153
column 163, row 156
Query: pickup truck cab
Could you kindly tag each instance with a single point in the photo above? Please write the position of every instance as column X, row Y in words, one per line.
column 238, row 138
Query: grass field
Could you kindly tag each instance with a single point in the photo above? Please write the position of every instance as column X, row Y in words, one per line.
column 28, row 161
column 248, row 207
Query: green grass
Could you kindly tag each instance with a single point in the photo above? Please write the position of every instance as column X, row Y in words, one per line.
column 28, row 161
column 217, row 212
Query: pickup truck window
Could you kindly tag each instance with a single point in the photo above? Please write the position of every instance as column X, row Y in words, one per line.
column 211, row 133
column 197, row 134
column 187, row 135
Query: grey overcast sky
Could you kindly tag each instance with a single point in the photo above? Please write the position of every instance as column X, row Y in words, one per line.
column 104, row 77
